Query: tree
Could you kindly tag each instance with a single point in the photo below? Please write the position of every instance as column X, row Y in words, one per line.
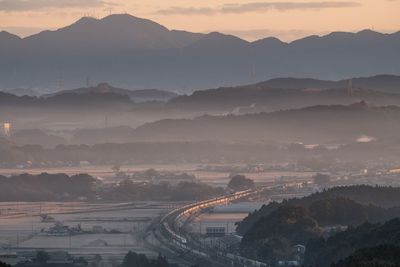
column 133, row 259
column 161, row 261
column 240, row 182
column 97, row 260
column 2, row 264
column 81, row 261
column 275, row 233
column 116, row 168
column 42, row 257
column 322, row 180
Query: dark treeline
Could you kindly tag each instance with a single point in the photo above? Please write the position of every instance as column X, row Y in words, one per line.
column 47, row 187
column 240, row 182
column 61, row 187
column 271, row 238
column 379, row 256
column 366, row 200
column 66, row 100
column 293, row 225
column 131, row 259
column 43, row 259
column 348, row 157
column 157, row 152
column 270, row 233
column 365, row 245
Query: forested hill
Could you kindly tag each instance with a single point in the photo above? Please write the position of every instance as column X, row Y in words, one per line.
column 385, row 197
column 309, row 125
column 377, row 256
column 134, row 95
column 360, row 244
column 270, row 233
column 292, row 93
column 297, row 224
column 69, row 101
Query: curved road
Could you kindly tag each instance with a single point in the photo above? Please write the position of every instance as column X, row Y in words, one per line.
column 171, row 234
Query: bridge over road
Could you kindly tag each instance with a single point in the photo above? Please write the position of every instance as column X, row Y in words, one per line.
column 171, row 235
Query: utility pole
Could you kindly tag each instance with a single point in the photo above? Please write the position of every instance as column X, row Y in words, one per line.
column 350, row 88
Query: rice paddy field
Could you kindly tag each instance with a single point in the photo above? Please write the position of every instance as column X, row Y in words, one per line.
column 106, row 229
column 112, row 229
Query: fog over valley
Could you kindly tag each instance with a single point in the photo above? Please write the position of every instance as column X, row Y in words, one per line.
column 124, row 143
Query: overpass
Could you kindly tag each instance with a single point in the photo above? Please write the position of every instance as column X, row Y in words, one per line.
column 171, row 232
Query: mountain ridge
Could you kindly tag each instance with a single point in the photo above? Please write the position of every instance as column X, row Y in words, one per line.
column 293, row 125
column 85, row 20
column 126, row 50
column 135, row 95
column 287, row 93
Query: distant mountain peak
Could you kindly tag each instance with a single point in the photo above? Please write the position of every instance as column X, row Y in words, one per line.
column 86, row 20
column 140, row 53
column 361, row 104
column 338, row 34
column 123, row 17
column 103, row 88
column 120, row 15
column 5, row 34
column 369, row 32
column 118, row 31
column 270, row 39
column 269, row 42
column 221, row 36
column 217, row 39
column 127, row 18
column 122, row 21
column 307, row 39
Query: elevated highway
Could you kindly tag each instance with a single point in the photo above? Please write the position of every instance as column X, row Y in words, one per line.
column 170, row 231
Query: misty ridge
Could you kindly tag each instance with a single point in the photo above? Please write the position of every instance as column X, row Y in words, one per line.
column 130, row 53
column 274, row 94
column 281, row 110
column 137, row 53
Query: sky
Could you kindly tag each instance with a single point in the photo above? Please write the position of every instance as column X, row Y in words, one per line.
column 248, row 19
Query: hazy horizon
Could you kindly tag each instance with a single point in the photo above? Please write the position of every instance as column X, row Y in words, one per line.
column 250, row 20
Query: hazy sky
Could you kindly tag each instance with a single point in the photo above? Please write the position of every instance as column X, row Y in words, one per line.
column 249, row 19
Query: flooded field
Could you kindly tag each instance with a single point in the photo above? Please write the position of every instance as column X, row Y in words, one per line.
column 107, row 229
column 113, row 229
